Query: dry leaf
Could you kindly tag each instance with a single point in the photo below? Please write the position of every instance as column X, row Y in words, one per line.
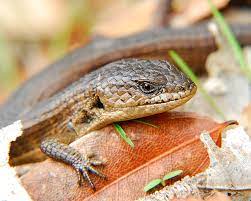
column 194, row 11
column 131, row 17
column 230, row 165
column 229, row 171
column 175, row 145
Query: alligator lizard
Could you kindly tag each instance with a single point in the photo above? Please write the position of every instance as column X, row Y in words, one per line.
column 47, row 107
column 121, row 90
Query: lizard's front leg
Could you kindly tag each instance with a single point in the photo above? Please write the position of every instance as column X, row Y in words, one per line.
column 71, row 156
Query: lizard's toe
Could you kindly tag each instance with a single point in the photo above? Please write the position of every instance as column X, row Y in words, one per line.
column 84, row 166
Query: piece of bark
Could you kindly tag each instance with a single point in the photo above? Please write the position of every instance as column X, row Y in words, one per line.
column 10, row 187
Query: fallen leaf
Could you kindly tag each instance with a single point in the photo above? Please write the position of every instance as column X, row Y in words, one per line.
column 131, row 17
column 174, row 145
column 229, row 171
column 230, row 165
column 193, row 11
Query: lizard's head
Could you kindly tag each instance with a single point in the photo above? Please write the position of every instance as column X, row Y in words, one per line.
column 134, row 88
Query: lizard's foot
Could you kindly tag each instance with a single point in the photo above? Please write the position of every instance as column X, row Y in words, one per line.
column 69, row 155
column 85, row 165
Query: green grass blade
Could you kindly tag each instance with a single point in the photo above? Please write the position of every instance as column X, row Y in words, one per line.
column 187, row 70
column 172, row 174
column 145, row 122
column 226, row 31
column 122, row 133
column 152, row 184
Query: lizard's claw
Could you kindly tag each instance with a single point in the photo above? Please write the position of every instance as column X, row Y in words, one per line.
column 85, row 165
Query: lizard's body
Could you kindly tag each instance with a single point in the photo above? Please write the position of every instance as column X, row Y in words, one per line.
column 111, row 93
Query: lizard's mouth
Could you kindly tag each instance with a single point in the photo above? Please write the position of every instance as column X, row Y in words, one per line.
column 160, row 106
column 172, row 97
column 167, row 98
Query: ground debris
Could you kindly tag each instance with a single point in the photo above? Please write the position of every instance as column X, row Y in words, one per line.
column 225, row 82
column 229, row 171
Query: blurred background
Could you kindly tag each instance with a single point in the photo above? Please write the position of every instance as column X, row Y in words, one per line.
column 34, row 33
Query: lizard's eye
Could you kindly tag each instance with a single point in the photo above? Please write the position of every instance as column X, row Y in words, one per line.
column 147, row 87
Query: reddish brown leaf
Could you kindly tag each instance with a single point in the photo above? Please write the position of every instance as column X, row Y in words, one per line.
column 175, row 145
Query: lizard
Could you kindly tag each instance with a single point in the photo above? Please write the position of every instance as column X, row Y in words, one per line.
column 38, row 105
column 121, row 90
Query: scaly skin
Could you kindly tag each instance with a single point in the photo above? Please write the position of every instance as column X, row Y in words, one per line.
column 112, row 93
